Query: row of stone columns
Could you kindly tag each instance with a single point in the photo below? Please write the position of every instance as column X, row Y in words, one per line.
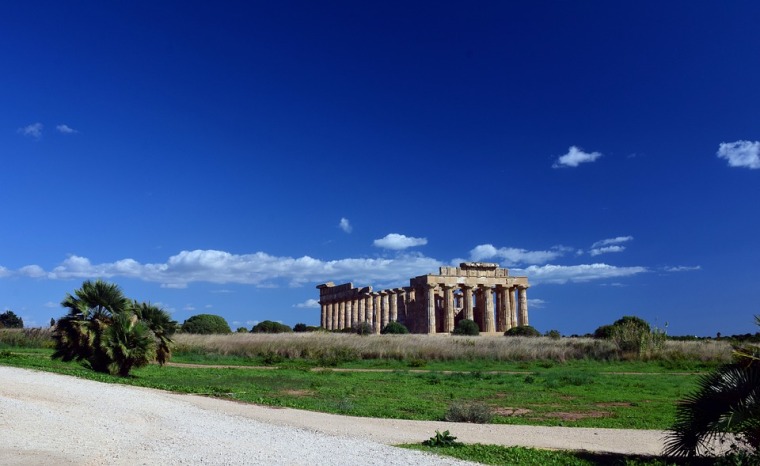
column 498, row 302
column 376, row 308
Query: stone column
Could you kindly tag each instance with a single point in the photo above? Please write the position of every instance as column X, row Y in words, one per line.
column 467, row 294
column 378, row 312
column 369, row 305
column 512, row 309
column 430, row 306
column 361, row 316
column 448, row 308
column 328, row 317
column 393, row 302
column 487, row 297
column 354, row 311
column 341, row 315
column 403, row 300
column 385, row 314
column 502, row 308
column 523, row 298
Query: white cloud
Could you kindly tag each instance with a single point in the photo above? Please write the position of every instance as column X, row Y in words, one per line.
column 345, row 225
column 574, row 157
column 34, row 271
column 512, row 256
column 34, row 130
column 66, row 129
column 536, row 303
column 308, row 304
column 616, row 240
column 683, row 268
column 606, row 249
column 576, row 273
column 4, row 272
column 740, row 153
column 258, row 269
column 398, row 242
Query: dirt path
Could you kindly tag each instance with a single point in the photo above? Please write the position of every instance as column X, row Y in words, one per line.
column 50, row 401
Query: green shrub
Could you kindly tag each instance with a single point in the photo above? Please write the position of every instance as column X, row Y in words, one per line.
column 466, row 327
column 444, row 439
column 206, row 324
column 474, row 412
column 362, row 328
column 604, row 332
column 300, row 328
column 10, row 320
column 523, row 331
column 394, row 328
column 269, row 326
column 554, row 334
column 241, row 330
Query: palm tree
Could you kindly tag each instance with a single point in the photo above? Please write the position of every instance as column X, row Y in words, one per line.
column 80, row 334
column 130, row 343
column 160, row 323
column 725, row 407
column 110, row 333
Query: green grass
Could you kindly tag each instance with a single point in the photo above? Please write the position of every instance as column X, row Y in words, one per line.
column 494, row 454
column 577, row 393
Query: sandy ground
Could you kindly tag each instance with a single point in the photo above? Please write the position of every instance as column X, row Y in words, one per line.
column 47, row 418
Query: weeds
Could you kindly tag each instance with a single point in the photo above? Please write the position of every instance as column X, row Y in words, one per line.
column 474, row 412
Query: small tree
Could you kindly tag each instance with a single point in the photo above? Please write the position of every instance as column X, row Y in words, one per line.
column 206, row 324
column 10, row 320
column 466, row 327
column 522, row 331
column 361, row 328
column 269, row 326
column 394, row 328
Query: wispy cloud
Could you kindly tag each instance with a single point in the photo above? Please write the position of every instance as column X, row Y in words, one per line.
column 65, row 129
column 513, row 256
column 683, row 268
column 308, row 304
column 345, row 225
column 536, row 303
column 561, row 274
column 574, row 157
column 397, row 242
column 34, row 130
column 609, row 245
column 740, row 153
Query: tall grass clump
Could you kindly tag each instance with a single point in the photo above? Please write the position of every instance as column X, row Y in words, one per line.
column 322, row 345
column 26, row 338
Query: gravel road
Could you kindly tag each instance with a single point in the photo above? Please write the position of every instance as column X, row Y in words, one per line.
column 53, row 419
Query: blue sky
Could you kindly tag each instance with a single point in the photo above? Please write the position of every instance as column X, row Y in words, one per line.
column 227, row 158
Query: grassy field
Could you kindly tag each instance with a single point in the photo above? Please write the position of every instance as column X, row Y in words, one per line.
column 638, row 395
column 534, row 381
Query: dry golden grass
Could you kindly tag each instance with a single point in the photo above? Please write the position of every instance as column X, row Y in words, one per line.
column 437, row 347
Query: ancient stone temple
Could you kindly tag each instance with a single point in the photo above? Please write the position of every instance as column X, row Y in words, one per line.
column 431, row 303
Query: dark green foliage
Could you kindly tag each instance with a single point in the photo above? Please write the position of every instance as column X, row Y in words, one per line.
column 10, row 320
column 522, row 331
column 466, row 327
column 726, row 407
column 604, row 332
column 269, row 326
column 394, row 328
column 241, row 330
column 554, row 334
column 633, row 321
column 206, row 324
column 444, row 439
column 474, row 412
column 362, row 328
column 305, row 328
column 109, row 333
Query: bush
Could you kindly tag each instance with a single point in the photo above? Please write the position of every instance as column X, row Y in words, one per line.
column 477, row 413
column 523, row 331
column 362, row 328
column 466, row 327
column 206, row 324
column 10, row 320
column 394, row 328
column 554, row 334
column 300, row 328
column 604, row 332
column 269, row 326
column 241, row 330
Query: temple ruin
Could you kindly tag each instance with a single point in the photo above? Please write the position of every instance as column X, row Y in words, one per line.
column 432, row 303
